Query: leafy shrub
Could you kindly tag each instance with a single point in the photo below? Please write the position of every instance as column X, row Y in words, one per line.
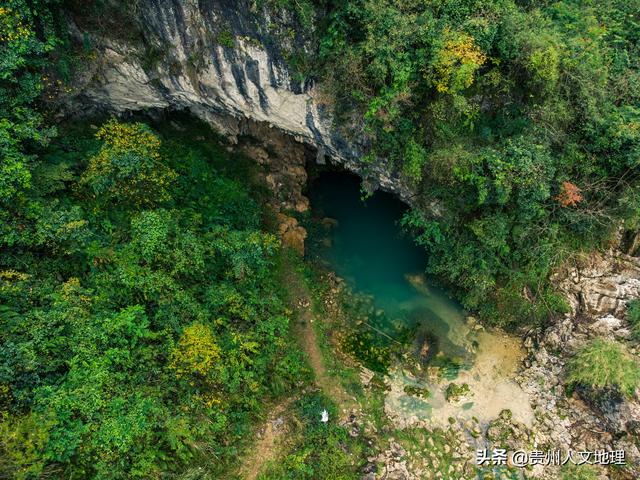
column 128, row 169
column 456, row 62
column 226, row 39
column 22, row 440
column 604, row 364
column 633, row 314
column 197, row 355
column 26, row 37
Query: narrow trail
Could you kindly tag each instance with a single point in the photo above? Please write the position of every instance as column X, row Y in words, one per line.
column 265, row 448
column 305, row 332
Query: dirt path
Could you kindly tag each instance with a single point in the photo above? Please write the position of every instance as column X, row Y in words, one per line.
column 305, row 332
column 265, row 448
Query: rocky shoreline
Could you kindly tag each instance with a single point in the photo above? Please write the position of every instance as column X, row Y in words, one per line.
column 560, row 421
column 598, row 289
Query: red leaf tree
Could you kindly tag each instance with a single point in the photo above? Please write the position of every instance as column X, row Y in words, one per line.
column 569, row 195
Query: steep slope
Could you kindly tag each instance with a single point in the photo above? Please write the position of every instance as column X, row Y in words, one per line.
column 229, row 64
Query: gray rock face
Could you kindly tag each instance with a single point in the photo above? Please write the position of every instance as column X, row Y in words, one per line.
column 598, row 290
column 224, row 61
column 602, row 284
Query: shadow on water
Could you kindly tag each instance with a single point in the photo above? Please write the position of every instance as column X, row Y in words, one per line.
column 362, row 242
column 367, row 247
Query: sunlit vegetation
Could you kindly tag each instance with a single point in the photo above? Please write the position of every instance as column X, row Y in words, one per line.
column 143, row 327
column 143, row 323
column 125, row 324
column 517, row 123
column 128, row 168
column 602, row 364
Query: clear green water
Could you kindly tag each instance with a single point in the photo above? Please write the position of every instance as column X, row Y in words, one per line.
column 369, row 250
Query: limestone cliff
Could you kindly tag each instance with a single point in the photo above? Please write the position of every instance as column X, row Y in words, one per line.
column 227, row 62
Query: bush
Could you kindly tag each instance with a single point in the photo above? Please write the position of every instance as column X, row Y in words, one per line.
column 633, row 315
column 579, row 472
column 604, row 364
column 129, row 168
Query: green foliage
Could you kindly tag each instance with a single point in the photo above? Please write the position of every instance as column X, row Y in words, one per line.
column 579, row 472
column 321, row 450
column 490, row 109
column 137, row 296
column 455, row 62
column 604, row 364
column 454, row 391
column 21, row 441
column 22, row 60
column 140, row 320
column 369, row 348
column 197, row 353
column 303, row 10
column 633, row 314
column 414, row 159
column 128, row 168
column 371, row 338
column 225, row 38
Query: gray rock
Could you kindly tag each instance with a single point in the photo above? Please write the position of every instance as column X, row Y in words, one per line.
column 232, row 87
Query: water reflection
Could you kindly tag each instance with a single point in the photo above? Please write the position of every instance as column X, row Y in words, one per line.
column 364, row 244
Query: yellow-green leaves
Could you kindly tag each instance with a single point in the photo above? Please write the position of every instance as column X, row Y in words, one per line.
column 197, row 354
column 128, row 168
column 456, row 62
column 22, row 441
column 13, row 27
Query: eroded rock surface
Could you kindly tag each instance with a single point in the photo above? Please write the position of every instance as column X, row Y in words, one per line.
column 598, row 290
column 602, row 284
column 227, row 63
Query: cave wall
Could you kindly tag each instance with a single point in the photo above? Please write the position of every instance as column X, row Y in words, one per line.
column 226, row 62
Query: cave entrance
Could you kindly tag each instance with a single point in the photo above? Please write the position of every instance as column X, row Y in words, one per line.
column 362, row 241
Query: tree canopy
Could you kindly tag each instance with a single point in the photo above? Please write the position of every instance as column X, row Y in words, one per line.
column 517, row 119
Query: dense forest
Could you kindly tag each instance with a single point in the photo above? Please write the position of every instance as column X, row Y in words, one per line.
column 144, row 313
column 519, row 118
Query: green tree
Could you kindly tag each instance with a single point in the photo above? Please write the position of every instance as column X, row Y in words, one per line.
column 23, row 56
column 23, row 59
column 128, row 169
